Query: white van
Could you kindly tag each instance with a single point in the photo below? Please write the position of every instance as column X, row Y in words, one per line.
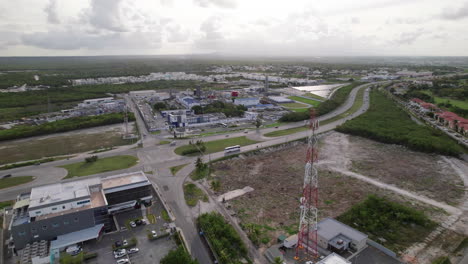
column 73, row 250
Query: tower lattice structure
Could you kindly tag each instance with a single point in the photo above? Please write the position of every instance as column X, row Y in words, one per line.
column 306, row 247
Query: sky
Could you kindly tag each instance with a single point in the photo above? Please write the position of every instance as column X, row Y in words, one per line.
column 234, row 27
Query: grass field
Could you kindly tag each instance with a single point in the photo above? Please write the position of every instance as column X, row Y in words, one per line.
column 163, row 142
column 399, row 225
column 175, row 169
column 14, row 151
column 193, row 194
column 315, row 96
column 294, row 105
column 297, row 110
column 304, row 100
column 285, row 132
column 4, row 204
column 457, row 103
column 219, row 145
column 386, row 123
column 13, row 181
column 357, row 104
column 101, row 165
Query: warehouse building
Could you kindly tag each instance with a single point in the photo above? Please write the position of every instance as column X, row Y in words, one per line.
column 50, row 212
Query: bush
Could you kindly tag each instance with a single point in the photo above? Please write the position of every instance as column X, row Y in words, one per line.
column 385, row 122
column 224, row 239
column 65, row 125
column 399, row 225
column 178, row 256
column 91, row 159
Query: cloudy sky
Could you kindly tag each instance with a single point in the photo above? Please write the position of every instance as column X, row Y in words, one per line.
column 248, row 27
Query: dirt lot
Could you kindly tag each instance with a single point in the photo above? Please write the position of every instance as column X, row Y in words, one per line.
column 277, row 178
column 61, row 144
column 425, row 174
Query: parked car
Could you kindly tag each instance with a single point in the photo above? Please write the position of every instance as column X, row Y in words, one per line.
column 125, row 242
column 73, row 250
column 138, row 222
column 132, row 224
column 122, row 261
column 119, row 254
column 118, row 243
column 118, row 251
column 154, row 234
column 133, row 250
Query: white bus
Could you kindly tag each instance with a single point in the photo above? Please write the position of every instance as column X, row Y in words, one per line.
column 232, row 149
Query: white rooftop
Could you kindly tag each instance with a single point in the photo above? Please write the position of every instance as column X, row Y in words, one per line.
column 64, row 191
column 59, row 192
column 333, row 258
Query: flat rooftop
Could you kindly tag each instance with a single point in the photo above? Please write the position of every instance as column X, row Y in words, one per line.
column 60, row 192
column 334, row 258
column 123, row 179
column 70, row 190
column 97, row 200
column 329, row 228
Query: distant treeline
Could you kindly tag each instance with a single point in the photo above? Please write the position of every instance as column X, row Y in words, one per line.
column 65, row 125
column 385, row 122
column 337, row 99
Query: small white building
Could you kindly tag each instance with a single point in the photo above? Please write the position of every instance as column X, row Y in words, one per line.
column 280, row 99
column 336, row 236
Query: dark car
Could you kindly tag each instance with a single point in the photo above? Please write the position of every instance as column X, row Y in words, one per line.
column 6, row 176
column 118, row 243
column 138, row 222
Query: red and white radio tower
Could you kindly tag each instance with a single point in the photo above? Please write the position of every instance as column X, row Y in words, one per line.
column 306, row 247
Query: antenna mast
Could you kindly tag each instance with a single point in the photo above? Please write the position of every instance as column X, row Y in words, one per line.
column 307, row 237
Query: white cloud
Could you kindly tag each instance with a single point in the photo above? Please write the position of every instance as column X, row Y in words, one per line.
column 51, row 11
column 455, row 14
column 216, row 3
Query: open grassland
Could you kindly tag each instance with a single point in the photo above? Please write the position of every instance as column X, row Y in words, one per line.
column 217, row 145
column 13, row 181
column 99, row 166
column 61, row 144
column 5, row 204
column 305, row 100
column 294, row 105
column 277, row 178
column 315, row 96
column 457, row 103
column 387, row 123
column 285, row 132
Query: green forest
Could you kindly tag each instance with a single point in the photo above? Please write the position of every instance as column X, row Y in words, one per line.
column 226, row 242
column 399, row 225
column 23, row 131
column 385, row 122
column 338, row 98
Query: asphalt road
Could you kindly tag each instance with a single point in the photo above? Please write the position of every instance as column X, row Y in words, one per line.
column 159, row 158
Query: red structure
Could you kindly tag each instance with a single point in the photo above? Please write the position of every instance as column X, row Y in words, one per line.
column 234, row 94
column 306, row 247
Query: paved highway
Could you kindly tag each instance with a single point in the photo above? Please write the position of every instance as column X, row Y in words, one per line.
column 159, row 158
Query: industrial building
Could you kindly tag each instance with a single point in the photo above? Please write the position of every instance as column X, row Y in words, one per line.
column 250, row 101
column 77, row 210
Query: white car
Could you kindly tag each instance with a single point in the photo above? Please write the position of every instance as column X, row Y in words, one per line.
column 133, row 250
column 132, row 224
column 125, row 242
column 154, row 233
column 122, row 261
column 119, row 254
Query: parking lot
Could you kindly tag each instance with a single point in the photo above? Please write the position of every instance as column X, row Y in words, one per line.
column 149, row 251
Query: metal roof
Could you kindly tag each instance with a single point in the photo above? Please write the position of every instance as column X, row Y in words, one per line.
column 333, row 258
column 21, row 203
column 329, row 228
column 76, row 237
